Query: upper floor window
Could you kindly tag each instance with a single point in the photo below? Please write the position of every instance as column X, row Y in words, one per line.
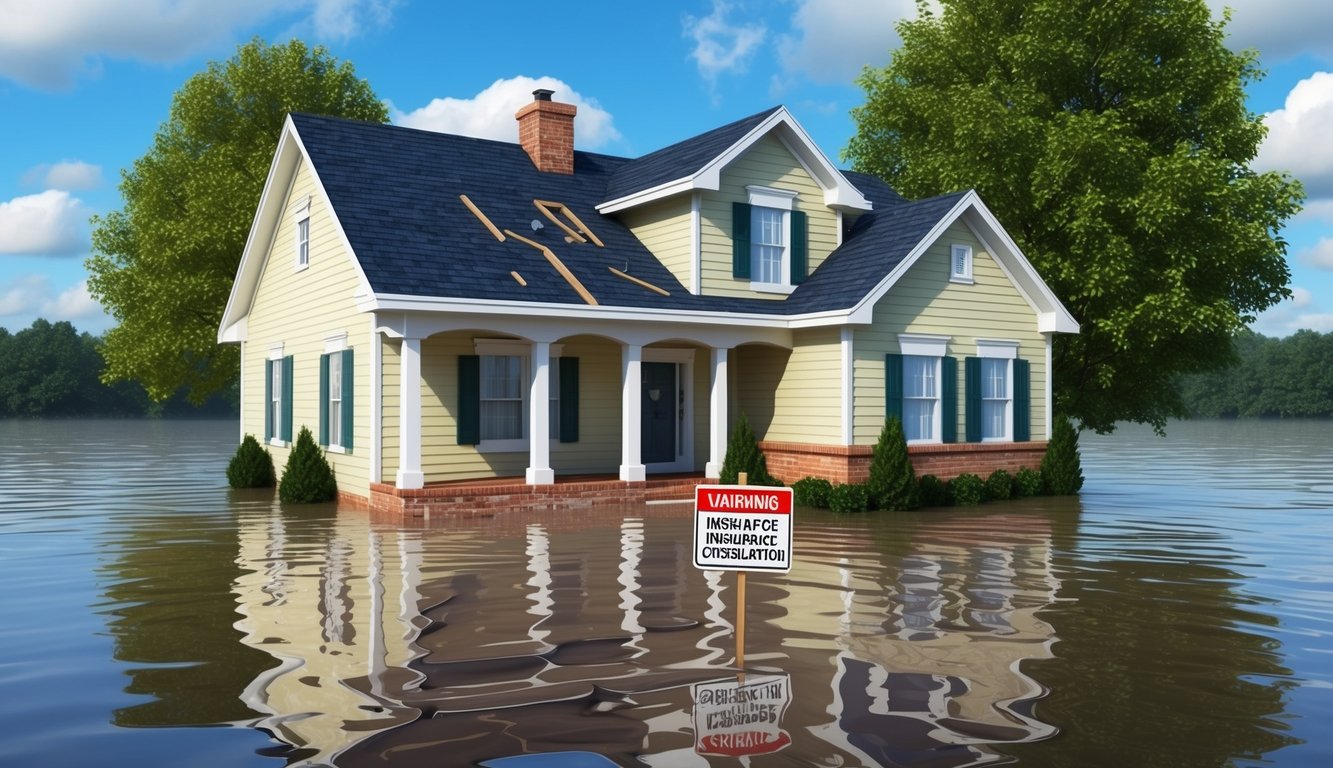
column 769, row 240
column 301, row 214
column 960, row 263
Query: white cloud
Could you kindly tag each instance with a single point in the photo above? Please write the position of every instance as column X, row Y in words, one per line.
column 74, row 303
column 66, row 174
column 1301, row 297
column 1319, row 255
column 29, row 297
column 1300, row 312
column 21, row 295
column 490, row 114
column 1279, row 29
column 719, row 45
column 832, row 40
column 49, row 47
column 1297, row 140
column 50, row 223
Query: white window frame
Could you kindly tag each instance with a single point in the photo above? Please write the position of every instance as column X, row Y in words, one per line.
column 927, row 346
column 783, row 201
column 301, row 252
column 274, row 404
column 1007, row 351
column 523, row 351
column 334, row 346
column 960, row 263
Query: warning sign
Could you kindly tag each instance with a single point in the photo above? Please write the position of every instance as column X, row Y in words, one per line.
column 737, row 719
column 742, row 528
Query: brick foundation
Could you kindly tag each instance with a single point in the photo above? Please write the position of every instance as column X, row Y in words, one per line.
column 487, row 498
column 790, row 462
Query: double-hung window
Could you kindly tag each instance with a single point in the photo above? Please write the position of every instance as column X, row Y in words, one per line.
column 994, row 399
column 336, row 381
column 921, row 388
column 921, row 398
column 502, row 389
column 301, row 215
column 768, row 249
column 494, row 389
column 278, row 397
column 998, row 393
column 769, row 245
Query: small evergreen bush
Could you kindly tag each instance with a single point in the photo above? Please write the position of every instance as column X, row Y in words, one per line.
column 812, row 492
column 999, row 486
column 307, row 478
column 967, row 489
column 743, row 455
column 849, row 498
column 1027, row 482
column 892, row 483
column 1061, row 468
column 932, row 491
column 251, row 466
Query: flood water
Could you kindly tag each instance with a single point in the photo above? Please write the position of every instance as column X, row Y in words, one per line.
column 1178, row 613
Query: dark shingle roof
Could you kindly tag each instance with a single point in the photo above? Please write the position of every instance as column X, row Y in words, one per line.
column 396, row 193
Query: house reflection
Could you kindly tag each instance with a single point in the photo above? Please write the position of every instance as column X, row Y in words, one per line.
column 394, row 646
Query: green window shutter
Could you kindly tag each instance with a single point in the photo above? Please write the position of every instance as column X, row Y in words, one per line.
column 569, row 399
column 800, row 247
column 972, row 401
column 740, row 240
column 347, row 419
column 893, row 386
column 269, row 431
column 469, row 399
column 324, row 400
column 287, row 367
column 1022, row 401
column 949, row 399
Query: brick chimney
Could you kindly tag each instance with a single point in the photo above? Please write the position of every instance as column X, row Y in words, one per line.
column 546, row 131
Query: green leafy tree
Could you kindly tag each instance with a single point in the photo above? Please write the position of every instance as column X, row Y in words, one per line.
column 743, row 455
column 164, row 264
column 1112, row 140
column 892, row 481
column 307, row 478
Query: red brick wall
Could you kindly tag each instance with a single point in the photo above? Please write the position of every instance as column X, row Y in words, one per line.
column 790, row 462
column 546, row 132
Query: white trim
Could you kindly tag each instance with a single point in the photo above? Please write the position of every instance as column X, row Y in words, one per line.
column 770, row 197
column 847, row 344
column 696, row 242
column 631, row 433
column 1050, row 405
column 409, row 416
column 965, row 275
column 717, row 412
column 335, row 342
column 300, row 208
column 376, row 403
column 1005, row 348
column 923, row 344
column 302, row 260
column 275, row 351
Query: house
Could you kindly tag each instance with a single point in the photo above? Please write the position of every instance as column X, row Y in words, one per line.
column 469, row 323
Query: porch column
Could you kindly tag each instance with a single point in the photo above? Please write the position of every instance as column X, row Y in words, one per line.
column 717, row 414
column 631, row 407
column 409, row 421
column 539, row 416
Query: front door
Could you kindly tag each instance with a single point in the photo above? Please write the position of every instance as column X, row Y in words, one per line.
column 660, row 411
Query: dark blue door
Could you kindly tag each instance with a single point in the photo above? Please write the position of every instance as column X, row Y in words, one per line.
column 659, row 413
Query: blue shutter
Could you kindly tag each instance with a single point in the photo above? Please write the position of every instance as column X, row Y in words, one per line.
column 469, row 399
column 324, row 400
column 740, row 240
column 893, row 387
column 972, row 398
column 287, row 367
column 800, row 247
column 269, row 431
column 569, row 399
column 347, row 419
column 1022, row 401
column 949, row 399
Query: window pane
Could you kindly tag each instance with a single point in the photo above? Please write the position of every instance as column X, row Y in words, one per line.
column 501, row 377
column 767, row 235
column 995, row 398
column 919, row 419
column 919, row 376
column 501, row 419
column 994, row 378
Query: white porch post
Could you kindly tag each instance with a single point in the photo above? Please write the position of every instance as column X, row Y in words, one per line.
column 409, row 424
column 631, row 406
column 717, row 413
column 539, row 416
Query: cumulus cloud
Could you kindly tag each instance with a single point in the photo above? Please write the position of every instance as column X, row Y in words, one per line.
column 1319, row 255
column 721, row 46
column 50, row 223
column 68, row 175
column 1279, row 29
column 51, row 47
column 1300, row 312
column 1297, row 140
column 831, row 40
column 28, row 297
column 490, row 114
column 73, row 303
column 21, row 295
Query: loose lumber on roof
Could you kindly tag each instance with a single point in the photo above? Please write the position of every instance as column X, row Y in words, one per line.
column 637, row 281
column 559, row 266
column 518, row 278
column 482, row 217
column 582, row 234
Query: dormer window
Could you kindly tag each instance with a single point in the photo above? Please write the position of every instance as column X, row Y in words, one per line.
column 769, row 240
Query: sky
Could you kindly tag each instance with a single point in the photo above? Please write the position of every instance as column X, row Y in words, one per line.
column 84, row 85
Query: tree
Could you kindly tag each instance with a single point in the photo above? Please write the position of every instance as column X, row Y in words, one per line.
column 1112, row 140
column 307, row 478
column 743, row 455
column 892, row 481
column 164, row 264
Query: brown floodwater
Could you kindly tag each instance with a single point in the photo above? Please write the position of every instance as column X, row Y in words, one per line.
column 1178, row 613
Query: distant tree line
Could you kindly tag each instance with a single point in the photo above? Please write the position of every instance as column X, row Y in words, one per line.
column 52, row 370
column 1290, row 377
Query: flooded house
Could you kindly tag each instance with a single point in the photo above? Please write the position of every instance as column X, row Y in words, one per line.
column 471, row 324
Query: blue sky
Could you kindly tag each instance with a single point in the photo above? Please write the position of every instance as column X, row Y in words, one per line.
column 84, row 84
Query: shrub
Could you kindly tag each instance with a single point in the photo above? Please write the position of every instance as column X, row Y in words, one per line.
column 852, row 497
column 967, row 489
column 1027, row 483
column 999, row 485
column 1061, row 468
column 812, row 492
column 251, row 466
column 932, row 491
column 743, row 455
column 892, row 483
column 307, row 478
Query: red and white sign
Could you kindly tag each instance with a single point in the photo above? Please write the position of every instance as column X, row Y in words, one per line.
column 742, row 528
column 737, row 719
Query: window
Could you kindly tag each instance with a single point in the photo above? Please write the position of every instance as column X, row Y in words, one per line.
column 502, row 384
column 998, row 393
column 335, row 399
column 960, row 263
column 994, row 399
column 303, row 243
column 922, row 388
column 493, row 396
column 335, row 395
column 769, row 240
column 278, row 398
column 920, row 397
